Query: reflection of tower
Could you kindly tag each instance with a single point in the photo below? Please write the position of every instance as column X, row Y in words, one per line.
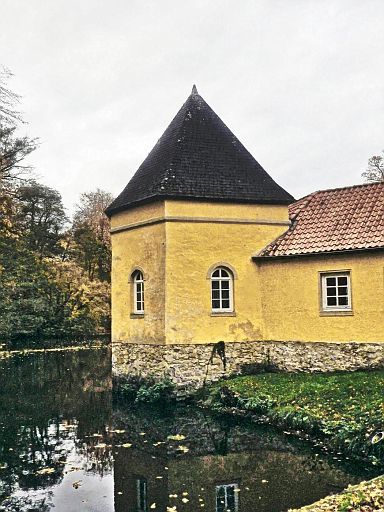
column 141, row 479
column 189, row 461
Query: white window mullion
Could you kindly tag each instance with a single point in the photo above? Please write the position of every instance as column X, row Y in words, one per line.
column 138, row 293
column 221, row 291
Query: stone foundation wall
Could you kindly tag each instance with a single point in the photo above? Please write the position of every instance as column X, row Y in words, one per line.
column 190, row 365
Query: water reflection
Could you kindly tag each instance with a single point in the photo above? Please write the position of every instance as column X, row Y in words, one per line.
column 63, row 446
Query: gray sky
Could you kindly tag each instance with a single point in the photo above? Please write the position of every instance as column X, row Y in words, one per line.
column 300, row 83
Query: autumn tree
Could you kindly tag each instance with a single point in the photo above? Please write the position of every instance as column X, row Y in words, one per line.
column 53, row 280
column 375, row 170
column 41, row 217
column 91, row 234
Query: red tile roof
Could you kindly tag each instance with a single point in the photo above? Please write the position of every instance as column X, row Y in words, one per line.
column 341, row 219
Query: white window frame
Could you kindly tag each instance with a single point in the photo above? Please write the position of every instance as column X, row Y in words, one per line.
column 235, row 493
column 220, row 280
column 142, row 494
column 324, row 276
column 138, row 290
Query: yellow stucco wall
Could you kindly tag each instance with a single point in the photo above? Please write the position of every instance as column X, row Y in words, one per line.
column 193, row 248
column 175, row 256
column 144, row 248
column 291, row 299
column 273, row 300
column 138, row 214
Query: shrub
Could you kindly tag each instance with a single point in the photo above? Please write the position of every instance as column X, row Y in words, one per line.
column 137, row 389
column 156, row 391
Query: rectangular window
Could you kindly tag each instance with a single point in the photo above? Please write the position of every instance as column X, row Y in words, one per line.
column 227, row 498
column 141, row 487
column 336, row 291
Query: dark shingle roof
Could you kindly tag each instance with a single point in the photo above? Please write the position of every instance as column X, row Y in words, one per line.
column 198, row 157
column 341, row 219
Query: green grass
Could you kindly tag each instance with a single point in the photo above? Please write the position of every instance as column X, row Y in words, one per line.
column 366, row 496
column 347, row 409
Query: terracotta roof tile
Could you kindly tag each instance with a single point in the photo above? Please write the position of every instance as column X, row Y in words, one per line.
column 342, row 219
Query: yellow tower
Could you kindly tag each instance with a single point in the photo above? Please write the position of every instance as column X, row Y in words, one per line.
column 183, row 233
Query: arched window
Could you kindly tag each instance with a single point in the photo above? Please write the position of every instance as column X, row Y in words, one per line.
column 221, row 290
column 138, row 292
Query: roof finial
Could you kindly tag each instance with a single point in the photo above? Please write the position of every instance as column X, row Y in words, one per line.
column 194, row 90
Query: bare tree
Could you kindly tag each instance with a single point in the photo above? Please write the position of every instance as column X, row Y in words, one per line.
column 375, row 169
column 13, row 148
column 8, row 100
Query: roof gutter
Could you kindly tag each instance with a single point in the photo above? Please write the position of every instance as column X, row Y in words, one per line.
column 261, row 259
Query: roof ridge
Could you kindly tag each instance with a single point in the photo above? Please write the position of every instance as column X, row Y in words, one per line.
column 376, row 183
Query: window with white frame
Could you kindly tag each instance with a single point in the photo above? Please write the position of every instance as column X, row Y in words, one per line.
column 336, row 291
column 221, row 290
column 227, row 498
column 141, row 493
column 138, row 292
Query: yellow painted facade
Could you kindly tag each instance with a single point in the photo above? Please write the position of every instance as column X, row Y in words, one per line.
column 141, row 248
column 176, row 248
column 175, row 244
column 291, row 299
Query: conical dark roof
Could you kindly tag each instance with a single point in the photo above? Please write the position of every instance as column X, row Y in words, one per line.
column 199, row 158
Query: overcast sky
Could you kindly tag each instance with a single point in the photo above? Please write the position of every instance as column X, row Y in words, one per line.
column 299, row 82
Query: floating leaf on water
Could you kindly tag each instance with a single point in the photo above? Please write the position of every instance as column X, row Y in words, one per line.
column 176, row 437
column 126, row 445
column 173, row 495
column 45, row 471
column 118, row 431
column 183, row 449
column 185, row 500
column 76, row 484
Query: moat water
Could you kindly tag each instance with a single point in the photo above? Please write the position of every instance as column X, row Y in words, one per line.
column 66, row 447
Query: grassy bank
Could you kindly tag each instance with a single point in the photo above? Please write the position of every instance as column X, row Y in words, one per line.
column 366, row 496
column 342, row 411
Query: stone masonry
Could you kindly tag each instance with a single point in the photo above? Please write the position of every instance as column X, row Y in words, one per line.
column 189, row 366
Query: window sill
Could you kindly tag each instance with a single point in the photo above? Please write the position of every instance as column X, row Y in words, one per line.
column 223, row 313
column 340, row 312
column 136, row 315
